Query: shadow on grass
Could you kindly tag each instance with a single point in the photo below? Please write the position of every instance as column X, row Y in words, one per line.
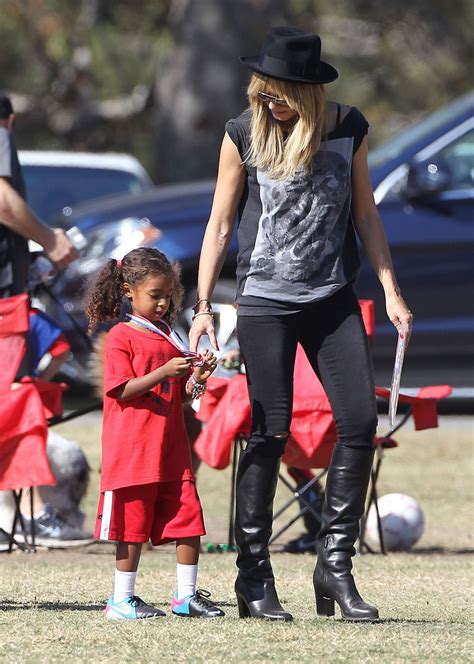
column 49, row 606
column 443, row 550
column 10, row 605
column 426, row 551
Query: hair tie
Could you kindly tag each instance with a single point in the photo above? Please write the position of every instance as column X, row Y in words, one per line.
column 119, row 263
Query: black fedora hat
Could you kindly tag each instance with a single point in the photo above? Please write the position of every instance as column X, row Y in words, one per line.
column 289, row 54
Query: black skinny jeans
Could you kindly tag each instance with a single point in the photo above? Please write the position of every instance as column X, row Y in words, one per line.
column 333, row 336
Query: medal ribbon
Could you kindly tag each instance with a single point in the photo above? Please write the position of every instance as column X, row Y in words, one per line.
column 173, row 337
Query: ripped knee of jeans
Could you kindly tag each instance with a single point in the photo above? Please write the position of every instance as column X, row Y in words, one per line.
column 272, row 445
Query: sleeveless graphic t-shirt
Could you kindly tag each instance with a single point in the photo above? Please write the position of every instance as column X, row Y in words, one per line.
column 296, row 240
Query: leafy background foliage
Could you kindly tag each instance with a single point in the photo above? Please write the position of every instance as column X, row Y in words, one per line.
column 158, row 78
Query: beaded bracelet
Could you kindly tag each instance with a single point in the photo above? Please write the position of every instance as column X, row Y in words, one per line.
column 197, row 389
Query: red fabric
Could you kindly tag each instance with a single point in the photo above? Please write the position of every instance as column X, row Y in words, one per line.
column 14, row 315
column 425, row 414
column 386, row 443
column 14, row 323
column 12, row 351
column 230, row 418
column 59, row 347
column 23, row 429
column 143, row 440
column 51, row 395
column 161, row 512
column 313, row 432
column 23, row 460
column 216, row 388
column 367, row 308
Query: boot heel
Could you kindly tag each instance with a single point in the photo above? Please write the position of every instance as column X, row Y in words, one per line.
column 324, row 605
column 243, row 608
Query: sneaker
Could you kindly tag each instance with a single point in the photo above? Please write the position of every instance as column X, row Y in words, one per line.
column 53, row 532
column 195, row 606
column 131, row 608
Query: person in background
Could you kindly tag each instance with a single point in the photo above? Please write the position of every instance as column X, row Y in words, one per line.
column 294, row 168
column 18, row 224
column 58, row 519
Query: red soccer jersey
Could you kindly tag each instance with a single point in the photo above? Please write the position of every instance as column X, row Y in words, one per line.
column 143, row 439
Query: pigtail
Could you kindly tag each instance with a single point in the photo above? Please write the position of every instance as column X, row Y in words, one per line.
column 105, row 295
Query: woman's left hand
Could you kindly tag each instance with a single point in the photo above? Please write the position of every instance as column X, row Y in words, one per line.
column 202, row 373
column 398, row 312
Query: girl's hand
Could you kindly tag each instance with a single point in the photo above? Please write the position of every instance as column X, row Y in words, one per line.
column 398, row 312
column 177, row 366
column 201, row 374
column 201, row 326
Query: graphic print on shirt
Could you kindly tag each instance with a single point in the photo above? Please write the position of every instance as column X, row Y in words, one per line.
column 302, row 228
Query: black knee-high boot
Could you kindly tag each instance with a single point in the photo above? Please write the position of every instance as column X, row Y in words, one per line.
column 257, row 478
column 346, row 488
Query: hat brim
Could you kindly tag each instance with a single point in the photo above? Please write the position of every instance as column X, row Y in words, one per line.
column 327, row 73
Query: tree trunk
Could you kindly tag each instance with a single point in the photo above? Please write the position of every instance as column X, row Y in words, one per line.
column 202, row 83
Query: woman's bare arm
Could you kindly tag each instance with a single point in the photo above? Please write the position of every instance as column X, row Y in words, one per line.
column 371, row 232
column 229, row 188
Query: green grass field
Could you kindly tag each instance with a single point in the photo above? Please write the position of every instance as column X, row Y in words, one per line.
column 50, row 602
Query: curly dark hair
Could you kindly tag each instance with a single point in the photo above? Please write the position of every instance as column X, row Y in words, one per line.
column 105, row 295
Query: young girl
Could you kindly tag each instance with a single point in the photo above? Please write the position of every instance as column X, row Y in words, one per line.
column 147, row 485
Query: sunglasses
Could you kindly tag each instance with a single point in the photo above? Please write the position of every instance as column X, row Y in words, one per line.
column 267, row 99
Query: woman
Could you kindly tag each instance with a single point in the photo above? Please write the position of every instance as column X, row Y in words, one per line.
column 295, row 168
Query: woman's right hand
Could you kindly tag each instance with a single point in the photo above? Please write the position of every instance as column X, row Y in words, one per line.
column 202, row 326
column 177, row 366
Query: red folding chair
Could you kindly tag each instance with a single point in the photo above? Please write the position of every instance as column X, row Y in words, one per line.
column 23, row 425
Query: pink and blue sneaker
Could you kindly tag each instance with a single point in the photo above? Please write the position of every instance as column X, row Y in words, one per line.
column 131, row 608
column 195, row 606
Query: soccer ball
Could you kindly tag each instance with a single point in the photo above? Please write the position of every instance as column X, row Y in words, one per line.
column 402, row 520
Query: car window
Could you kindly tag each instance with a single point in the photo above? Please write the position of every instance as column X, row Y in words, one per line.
column 457, row 159
column 51, row 188
column 421, row 130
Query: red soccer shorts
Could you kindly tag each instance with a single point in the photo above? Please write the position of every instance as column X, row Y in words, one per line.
column 160, row 512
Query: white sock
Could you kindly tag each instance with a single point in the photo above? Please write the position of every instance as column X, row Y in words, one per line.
column 124, row 585
column 186, row 576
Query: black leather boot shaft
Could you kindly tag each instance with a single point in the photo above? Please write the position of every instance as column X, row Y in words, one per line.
column 257, row 479
column 346, row 489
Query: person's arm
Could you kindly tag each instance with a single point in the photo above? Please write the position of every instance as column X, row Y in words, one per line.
column 229, row 189
column 200, row 373
column 136, row 387
column 371, row 232
column 53, row 366
column 18, row 217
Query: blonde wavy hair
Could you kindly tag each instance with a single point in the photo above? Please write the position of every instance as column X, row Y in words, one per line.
column 270, row 149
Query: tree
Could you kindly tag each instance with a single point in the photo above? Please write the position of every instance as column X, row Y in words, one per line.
column 201, row 83
column 159, row 78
